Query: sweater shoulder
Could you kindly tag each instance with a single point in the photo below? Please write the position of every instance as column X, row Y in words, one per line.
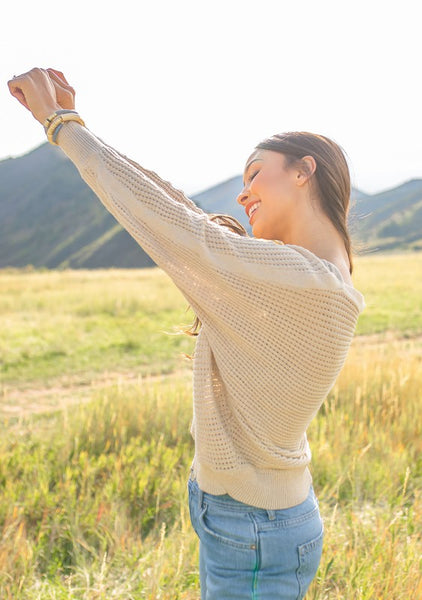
column 305, row 270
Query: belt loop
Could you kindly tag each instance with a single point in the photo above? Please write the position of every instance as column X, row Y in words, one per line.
column 271, row 514
column 200, row 497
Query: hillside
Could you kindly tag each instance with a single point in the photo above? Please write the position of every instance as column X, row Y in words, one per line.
column 393, row 219
column 50, row 218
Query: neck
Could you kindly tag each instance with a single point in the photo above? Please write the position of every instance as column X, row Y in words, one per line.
column 315, row 232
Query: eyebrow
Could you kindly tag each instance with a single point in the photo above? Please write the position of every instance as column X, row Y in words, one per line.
column 247, row 167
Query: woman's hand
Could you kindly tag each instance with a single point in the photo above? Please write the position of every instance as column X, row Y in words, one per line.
column 65, row 93
column 42, row 91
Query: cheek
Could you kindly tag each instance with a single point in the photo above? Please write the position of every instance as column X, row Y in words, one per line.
column 280, row 184
column 267, row 185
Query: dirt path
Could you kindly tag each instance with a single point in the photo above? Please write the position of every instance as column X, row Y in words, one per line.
column 28, row 398
column 386, row 336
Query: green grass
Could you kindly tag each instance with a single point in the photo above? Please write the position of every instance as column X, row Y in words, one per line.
column 86, row 322
column 392, row 286
column 75, row 322
column 94, row 502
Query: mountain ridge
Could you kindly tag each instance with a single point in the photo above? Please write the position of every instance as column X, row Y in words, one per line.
column 50, row 218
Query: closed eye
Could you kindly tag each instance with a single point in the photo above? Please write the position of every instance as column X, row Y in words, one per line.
column 253, row 176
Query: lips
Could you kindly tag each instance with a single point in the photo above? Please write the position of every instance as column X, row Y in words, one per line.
column 252, row 206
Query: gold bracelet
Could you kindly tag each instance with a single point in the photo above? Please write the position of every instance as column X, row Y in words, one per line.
column 57, row 122
column 55, row 114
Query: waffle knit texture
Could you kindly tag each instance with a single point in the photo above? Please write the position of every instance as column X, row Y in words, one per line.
column 277, row 323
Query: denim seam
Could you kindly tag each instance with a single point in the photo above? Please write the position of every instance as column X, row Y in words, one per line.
column 229, row 505
column 233, row 509
column 243, row 508
column 286, row 523
column 257, row 559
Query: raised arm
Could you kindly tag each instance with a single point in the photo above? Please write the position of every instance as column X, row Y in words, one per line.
column 226, row 278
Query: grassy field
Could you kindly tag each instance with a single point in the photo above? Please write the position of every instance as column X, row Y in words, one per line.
column 95, row 446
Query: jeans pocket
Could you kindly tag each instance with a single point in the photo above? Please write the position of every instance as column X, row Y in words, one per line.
column 193, row 507
column 309, row 559
column 228, row 527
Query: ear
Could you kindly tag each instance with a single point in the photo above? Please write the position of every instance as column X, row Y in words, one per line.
column 305, row 170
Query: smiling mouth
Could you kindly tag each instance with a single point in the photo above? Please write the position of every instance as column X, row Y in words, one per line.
column 253, row 211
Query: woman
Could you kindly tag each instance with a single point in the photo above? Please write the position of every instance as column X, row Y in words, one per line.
column 277, row 320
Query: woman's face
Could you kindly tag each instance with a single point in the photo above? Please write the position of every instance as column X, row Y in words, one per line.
column 269, row 194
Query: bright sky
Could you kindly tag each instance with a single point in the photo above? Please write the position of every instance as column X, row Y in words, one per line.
column 189, row 87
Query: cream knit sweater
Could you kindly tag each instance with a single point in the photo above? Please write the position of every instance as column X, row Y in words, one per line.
column 277, row 323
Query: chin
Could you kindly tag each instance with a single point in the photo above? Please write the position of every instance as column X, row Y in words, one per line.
column 259, row 233
column 256, row 231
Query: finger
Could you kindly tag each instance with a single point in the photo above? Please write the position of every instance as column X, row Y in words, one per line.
column 17, row 92
column 58, row 74
column 58, row 80
column 62, row 90
column 65, row 94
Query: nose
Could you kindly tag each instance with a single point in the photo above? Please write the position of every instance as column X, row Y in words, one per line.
column 243, row 196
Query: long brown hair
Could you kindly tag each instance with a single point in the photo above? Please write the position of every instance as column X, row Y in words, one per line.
column 331, row 178
column 331, row 183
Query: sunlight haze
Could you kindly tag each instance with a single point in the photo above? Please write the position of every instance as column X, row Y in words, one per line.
column 189, row 88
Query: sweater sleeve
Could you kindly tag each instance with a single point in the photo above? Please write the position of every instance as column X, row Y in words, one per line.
column 214, row 268
column 166, row 186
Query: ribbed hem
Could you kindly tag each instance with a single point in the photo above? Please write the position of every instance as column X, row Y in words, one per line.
column 269, row 489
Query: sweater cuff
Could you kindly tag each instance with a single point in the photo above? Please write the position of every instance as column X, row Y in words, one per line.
column 78, row 143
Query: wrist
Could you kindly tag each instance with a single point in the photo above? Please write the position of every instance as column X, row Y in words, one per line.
column 53, row 116
column 56, row 120
column 47, row 112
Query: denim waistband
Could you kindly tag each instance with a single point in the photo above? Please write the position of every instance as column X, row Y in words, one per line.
column 304, row 510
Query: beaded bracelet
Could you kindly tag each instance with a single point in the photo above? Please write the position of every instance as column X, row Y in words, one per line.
column 56, row 133
column 51, row 118
column 54, row 123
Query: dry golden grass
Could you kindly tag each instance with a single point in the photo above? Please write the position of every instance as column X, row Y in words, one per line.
column 94, row 501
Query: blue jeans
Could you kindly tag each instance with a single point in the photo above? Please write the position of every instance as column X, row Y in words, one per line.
column 251, row 553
